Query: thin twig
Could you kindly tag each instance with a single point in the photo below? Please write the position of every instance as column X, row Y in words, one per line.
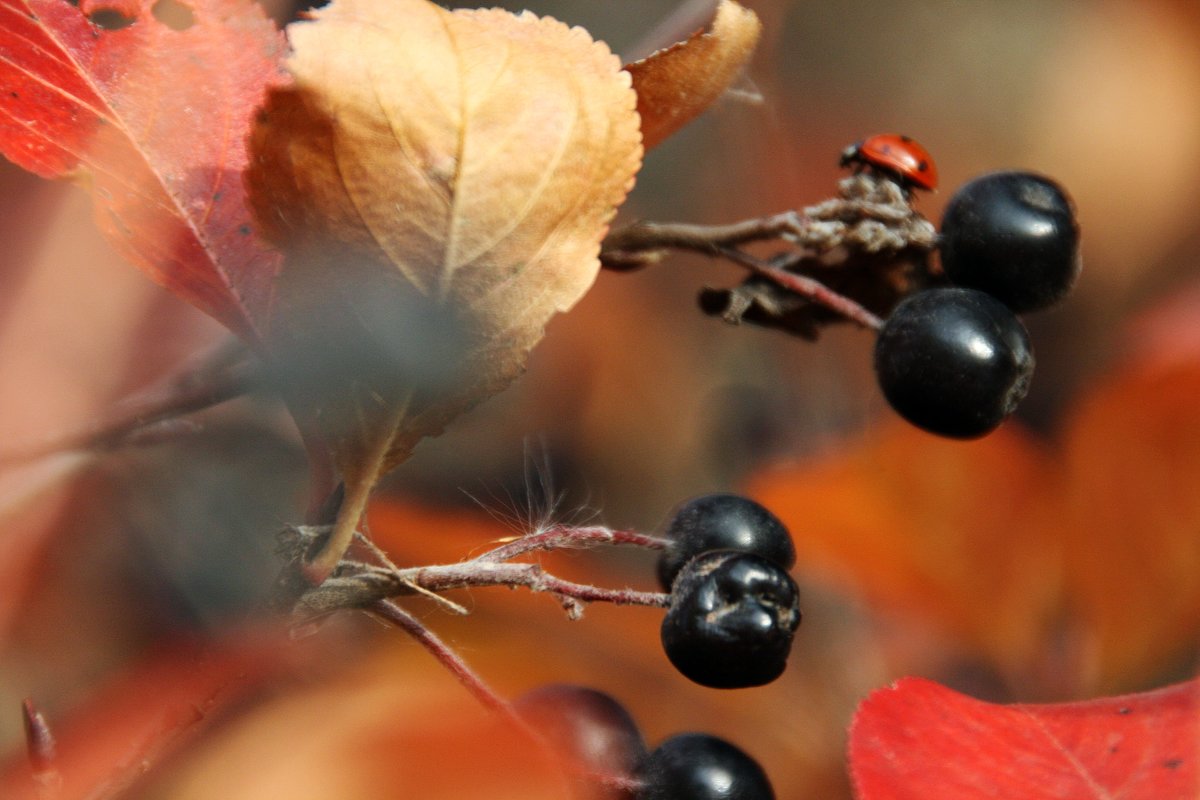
column 709, row 239
column 194, row 391
column 395, row 615
column 360, row 585
column 807, row 287
column 869, row 240
column 368, row 585
column 477, row 572
column 475, row 684
column 563, row 536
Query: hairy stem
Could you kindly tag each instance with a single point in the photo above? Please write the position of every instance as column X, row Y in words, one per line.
column 562, row 536
column 531, row 576
column 360, row 585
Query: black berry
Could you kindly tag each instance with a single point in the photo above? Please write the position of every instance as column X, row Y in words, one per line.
column 591, row 730
column 731, row 620
column 722, row 522
column 1013, row 235
column 955, row 362
column 696, row 766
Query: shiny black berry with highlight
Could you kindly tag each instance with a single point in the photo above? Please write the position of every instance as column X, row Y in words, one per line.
column 955, row 362
column 697, row 766
column 722, row 522
column 1013, row 235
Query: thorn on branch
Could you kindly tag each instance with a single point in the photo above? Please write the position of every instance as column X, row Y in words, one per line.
column 42, row 751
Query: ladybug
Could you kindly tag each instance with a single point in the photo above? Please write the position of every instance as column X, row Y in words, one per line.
column 899, row 156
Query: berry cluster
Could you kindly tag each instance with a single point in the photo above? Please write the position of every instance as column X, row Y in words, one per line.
column 956, row 360
column 734, row 608
column 599, row 739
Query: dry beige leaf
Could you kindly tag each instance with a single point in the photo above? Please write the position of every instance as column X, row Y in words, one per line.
column 440, row 182
column 677, row 83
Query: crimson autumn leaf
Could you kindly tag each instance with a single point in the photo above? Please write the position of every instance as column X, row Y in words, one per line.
column 151, row 711
column 153, row 118
column 918, row 740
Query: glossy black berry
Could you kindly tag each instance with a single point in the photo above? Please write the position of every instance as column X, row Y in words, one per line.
column 722, row 522
column 731, row 620
column 1013, row 235
column 955, row 362
column 696, row 766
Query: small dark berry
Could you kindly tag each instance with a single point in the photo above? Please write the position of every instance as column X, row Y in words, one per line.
column 722, row 522
column 1013, row 235
column 696, row 766
column 731, row 620
column 955, row 362
column 591, row 730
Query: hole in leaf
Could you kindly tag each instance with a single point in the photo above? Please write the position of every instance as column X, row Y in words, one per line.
column 110, row 19
column 173, row 14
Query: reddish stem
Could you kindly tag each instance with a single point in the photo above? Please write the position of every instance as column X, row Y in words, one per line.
column 562, row 536
column 445, row 655
column 483, row 572
column 807, row 287
column 478, row 687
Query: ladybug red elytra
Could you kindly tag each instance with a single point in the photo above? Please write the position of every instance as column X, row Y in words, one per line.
column 899, row 156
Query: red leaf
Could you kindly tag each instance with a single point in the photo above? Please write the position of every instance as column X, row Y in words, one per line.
column 154, row 120
column 918, row 740
column 152, row 710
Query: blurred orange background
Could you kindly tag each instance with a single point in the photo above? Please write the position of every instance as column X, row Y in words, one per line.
column 634, row 400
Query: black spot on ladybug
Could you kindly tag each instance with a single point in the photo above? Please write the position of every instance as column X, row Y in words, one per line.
column 14, row 95
column 1174, row 763
column 923, row 166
